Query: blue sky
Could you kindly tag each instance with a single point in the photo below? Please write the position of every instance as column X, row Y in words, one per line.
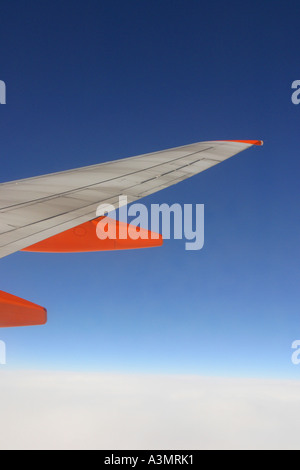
column 92, row 81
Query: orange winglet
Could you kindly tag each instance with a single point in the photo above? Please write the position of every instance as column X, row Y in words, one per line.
column 15, row 311
column 251, row 142
column 83, row 238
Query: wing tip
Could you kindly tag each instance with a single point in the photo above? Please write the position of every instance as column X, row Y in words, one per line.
column 251, row 142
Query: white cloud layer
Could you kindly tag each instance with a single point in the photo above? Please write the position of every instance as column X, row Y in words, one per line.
column 45, row 410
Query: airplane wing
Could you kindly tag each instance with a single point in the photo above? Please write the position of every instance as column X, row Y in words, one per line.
column 35, row 209
column 57, row 212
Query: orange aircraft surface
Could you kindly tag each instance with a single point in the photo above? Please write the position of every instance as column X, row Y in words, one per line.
column 56, row 213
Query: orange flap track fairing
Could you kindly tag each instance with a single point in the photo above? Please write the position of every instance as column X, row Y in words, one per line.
column 83, row 238
column 15, row 311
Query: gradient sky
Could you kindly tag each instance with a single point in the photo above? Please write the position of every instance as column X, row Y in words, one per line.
column 91, row 81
